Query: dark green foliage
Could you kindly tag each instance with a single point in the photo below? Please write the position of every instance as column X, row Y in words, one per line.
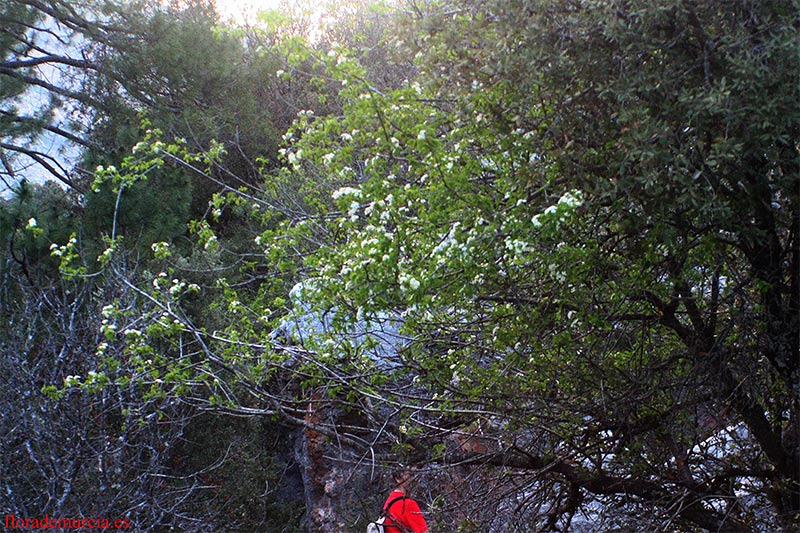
column 249, row 465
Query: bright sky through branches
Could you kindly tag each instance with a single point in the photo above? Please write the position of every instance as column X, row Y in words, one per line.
column 246, row 10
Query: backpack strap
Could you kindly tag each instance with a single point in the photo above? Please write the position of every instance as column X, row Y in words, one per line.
column 389, row 505
column 395, row 524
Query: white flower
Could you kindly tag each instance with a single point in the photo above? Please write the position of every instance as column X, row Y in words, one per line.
column 346, row 191
column 177, row 288
column 211, row 243
column 160, row 248
column 517, row 246
column 408, row 281
column 32, row 223
column 572, row 198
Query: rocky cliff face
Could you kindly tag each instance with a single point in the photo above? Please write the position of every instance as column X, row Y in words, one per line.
column 344, row 488
column 342, row 491
column 322, row 479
